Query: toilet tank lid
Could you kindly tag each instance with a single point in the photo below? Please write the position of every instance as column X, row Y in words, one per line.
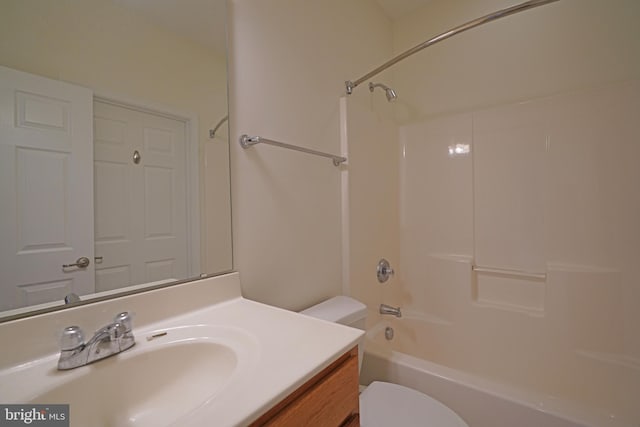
column 340, row 309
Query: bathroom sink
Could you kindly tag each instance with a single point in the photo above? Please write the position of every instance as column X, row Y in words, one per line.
column 168, row 374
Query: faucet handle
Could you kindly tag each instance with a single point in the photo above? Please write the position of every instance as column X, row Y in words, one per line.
column 117, row 330
column 72, row 338
column 384, row 271
column 125, row 319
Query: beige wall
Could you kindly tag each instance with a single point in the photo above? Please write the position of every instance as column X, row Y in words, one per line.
column 118, row 53
column 570, row 44
column 111, row 49
column 289, row 61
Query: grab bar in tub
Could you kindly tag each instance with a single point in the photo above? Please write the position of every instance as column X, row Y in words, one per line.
column 509, row 272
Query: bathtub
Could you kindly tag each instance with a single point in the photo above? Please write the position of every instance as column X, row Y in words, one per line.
column 480, row 401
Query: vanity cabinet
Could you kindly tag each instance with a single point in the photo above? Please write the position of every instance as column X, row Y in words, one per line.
column 331, row 398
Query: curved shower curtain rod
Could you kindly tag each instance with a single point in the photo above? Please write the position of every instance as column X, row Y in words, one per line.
column 350, row 85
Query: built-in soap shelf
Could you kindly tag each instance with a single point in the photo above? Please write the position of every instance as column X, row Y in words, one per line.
column 499, row 271
column 510, row 289
column 527, row 292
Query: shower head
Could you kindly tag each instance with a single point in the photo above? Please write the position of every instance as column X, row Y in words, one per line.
column 391, row 94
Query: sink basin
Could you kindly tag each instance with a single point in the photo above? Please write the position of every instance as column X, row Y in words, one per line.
column 155, row 383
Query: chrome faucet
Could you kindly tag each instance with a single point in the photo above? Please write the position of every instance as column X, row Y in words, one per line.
column 387, row 309
column 107, row 341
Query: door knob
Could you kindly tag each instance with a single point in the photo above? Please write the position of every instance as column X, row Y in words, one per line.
column 82, row 262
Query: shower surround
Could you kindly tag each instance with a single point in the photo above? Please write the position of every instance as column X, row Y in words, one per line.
column 518, row 242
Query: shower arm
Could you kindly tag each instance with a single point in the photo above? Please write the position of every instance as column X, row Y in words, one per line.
column 350, row 85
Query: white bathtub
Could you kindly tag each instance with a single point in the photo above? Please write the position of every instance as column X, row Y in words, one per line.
column 480, row 401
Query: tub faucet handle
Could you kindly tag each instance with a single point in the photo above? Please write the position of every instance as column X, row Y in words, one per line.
column 384, row 270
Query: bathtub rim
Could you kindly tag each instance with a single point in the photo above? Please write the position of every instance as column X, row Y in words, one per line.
column 561, row 408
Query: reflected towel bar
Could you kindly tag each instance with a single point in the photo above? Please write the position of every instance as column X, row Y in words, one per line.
column 508, row 272
column 247, row 141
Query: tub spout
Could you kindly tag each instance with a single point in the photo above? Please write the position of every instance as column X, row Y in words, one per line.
column 387, row 309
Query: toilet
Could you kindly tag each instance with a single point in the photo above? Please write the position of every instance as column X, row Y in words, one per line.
column 385, row 404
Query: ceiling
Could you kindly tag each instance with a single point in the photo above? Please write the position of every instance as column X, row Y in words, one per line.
column 395, row 9
column 201, row 21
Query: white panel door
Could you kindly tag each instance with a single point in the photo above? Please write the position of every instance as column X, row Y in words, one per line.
column 46, row 189
column 141, row 212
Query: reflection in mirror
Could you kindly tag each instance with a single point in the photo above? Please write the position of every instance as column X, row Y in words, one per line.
column 110, row 180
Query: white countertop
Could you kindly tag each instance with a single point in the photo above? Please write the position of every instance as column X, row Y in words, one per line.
column 293, row 348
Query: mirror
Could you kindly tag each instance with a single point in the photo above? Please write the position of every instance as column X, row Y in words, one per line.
column 110, row 180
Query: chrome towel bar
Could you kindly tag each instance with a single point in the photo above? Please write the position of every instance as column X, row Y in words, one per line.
column 509, row 272
column 247, row 141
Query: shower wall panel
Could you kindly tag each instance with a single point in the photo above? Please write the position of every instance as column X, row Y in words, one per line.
column 548, row 186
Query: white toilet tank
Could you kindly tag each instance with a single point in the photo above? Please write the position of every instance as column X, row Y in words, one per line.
column 340, row 309
column 343, row 310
